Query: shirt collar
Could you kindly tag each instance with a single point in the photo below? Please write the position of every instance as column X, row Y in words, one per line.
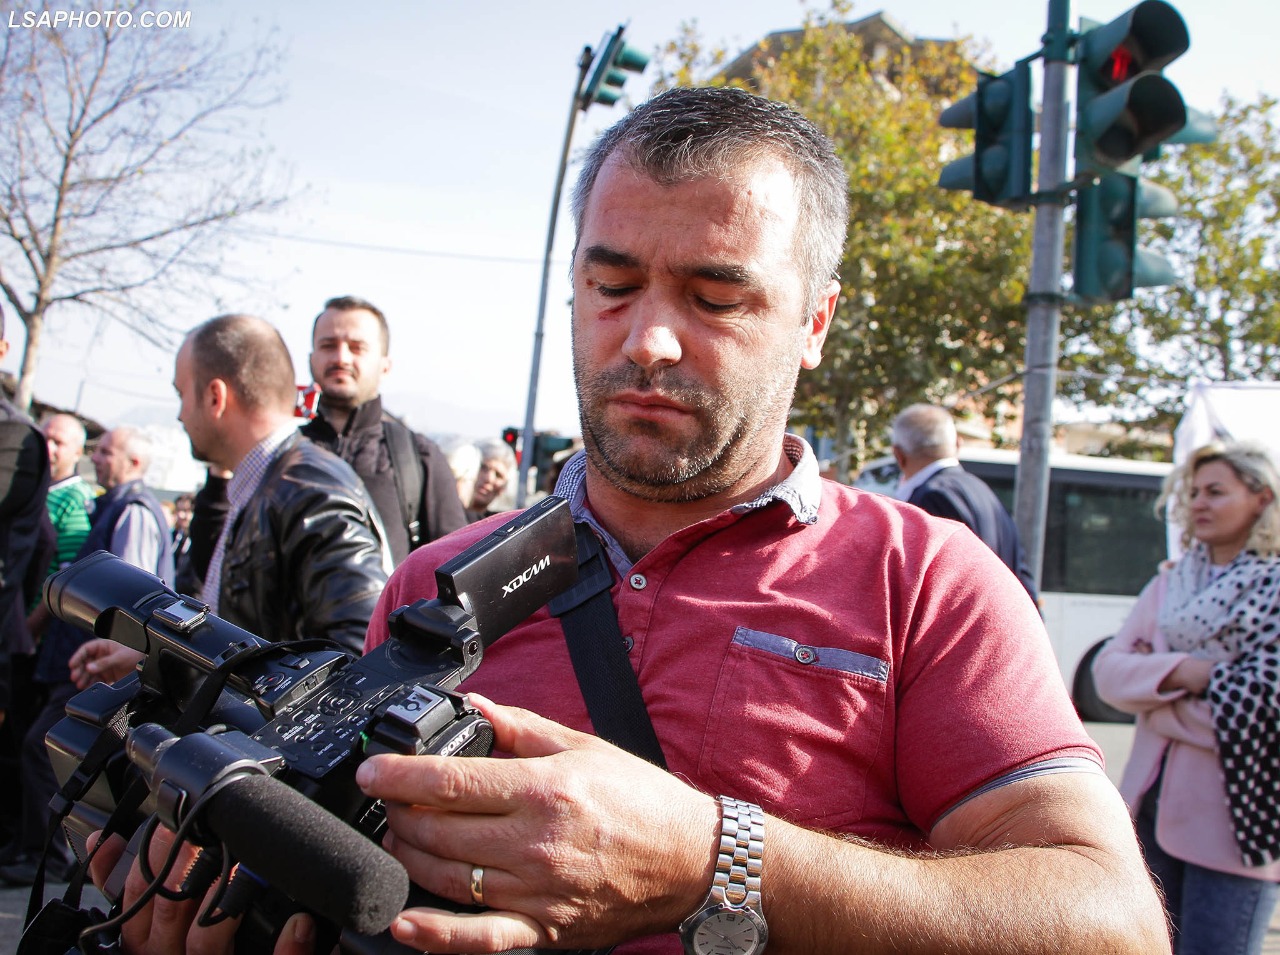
column 801, row 490
column 68, row 481
column 253, row 466
column 908, row 486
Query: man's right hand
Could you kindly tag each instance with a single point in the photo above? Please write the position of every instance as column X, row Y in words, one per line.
column 164, row 927
column 101, row 661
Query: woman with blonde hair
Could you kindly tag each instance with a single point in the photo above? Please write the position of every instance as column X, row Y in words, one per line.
column 1198, row 662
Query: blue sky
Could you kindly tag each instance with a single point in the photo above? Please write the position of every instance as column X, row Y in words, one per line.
column 424, row 137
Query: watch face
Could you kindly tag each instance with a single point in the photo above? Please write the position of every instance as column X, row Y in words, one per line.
column 727, row 932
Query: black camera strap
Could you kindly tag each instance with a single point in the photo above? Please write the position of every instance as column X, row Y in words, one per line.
column 600, row 662
column 599, row 655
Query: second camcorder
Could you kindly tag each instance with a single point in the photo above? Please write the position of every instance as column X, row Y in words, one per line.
column 249, row 747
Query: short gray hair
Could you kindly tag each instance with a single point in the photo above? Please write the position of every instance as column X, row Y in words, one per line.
column 1252, row 464
column 925, row 429
column 494, row 450
column 134, row 443
column 688, row 134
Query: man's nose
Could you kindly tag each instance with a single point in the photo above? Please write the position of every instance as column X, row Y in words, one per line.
column 652, row 340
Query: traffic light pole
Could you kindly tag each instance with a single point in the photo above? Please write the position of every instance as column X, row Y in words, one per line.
column 1044, row 297
column 527, row 436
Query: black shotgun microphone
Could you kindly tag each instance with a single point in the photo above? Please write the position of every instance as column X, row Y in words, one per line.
column 308, row 853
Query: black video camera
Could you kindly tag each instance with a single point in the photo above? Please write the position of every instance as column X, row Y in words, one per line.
column 249, row 748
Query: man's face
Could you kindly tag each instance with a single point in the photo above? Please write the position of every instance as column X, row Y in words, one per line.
column 66, row 447
column 346, row 356
column 182, row 515
column 112, row 465
column 688, row 328
column 192, row 411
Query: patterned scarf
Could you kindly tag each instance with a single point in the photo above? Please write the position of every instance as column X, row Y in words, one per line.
column 1234, row 618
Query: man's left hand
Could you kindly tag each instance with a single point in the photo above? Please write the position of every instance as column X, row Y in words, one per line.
column 570, row 835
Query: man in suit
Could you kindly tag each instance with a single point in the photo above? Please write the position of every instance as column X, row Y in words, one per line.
column 925, row 446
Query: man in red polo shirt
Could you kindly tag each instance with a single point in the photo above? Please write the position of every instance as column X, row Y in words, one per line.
column 854, row 668
column 866, row 752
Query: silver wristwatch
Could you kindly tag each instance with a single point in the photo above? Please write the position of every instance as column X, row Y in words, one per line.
column 731, row 919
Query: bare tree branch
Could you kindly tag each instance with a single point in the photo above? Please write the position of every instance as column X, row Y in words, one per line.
column 126, row 156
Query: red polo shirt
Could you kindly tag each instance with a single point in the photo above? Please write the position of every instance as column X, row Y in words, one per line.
column 862, row 673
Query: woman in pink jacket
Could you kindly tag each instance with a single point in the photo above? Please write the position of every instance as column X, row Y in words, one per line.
column 1198, row 661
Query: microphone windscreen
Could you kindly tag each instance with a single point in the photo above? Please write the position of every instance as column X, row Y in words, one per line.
column 308, row 853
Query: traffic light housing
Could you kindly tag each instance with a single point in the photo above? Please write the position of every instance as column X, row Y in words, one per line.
column 610, row 74
column 1109, row 264
column 999, row 113
column 545, row 448
column 511, row 438
column 1124, row 107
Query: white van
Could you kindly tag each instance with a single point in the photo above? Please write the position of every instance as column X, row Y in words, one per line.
column 1103, row 542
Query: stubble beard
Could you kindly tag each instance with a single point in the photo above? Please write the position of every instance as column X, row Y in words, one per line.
column 344, row 395
column 650, row 461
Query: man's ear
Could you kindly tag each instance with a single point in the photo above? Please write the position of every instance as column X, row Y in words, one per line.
column 4, row 348
column 819, row 325
column 217, row 397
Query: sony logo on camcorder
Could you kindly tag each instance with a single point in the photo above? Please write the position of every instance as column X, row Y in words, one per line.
column 517, row 582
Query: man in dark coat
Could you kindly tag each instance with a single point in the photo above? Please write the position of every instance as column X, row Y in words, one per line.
column 925, row 446
column 24, row 482
column 408, row 476
column 24, row 535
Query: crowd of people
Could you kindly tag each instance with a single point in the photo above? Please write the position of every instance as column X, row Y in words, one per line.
column 862, row 739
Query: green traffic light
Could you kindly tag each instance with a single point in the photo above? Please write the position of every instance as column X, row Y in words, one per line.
column 1125, row 109
column 1129, row 120
column 1109, row 264
column 631, row 59
column 610, row 74
column 999, row 112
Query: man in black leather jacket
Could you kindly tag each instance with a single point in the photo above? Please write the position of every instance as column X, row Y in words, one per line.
column 302, row 552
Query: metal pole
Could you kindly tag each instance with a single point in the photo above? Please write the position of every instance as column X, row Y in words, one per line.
column 1044, row 297
column 526, row 438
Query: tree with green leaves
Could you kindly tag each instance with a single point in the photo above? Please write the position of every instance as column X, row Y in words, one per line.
column 932, row 281
column 127, row 157
column 1221, row 322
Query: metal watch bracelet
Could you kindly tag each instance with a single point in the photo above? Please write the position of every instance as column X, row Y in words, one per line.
column 739, row 862
column 730, row 920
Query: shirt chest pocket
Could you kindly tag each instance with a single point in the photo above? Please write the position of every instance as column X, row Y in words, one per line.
column 797, row 728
